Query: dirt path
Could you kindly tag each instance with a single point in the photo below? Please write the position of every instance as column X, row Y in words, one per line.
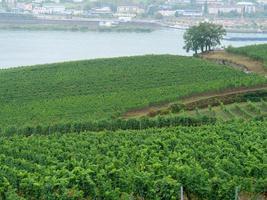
column 241, row 62
column 192, row 99
column 237, row 61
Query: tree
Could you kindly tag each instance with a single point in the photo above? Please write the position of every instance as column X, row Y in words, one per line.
column 203, row 37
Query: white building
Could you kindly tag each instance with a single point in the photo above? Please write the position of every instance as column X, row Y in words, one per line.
column 101, row 11
column 247, row 7
column 130, row 9
column 49, row 9
column 262, row 1
column 25, row 6
column 167, row 13
column 192, row 13
column 216, row 9
column 209, row 2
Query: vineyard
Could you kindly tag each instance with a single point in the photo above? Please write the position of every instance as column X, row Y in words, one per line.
column 235, row 111
column 208, row 161
column 64, row 134
column 257, row 52
column 106, row 88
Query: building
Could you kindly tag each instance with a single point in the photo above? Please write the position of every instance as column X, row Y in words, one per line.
column 209, row 2
column 130, row 10
column 9, row 3
column 247, row 7
column 50, row 9
column 101, row 11
column 216, row 9
column 25, row 6
column 167, row 13
column 192, row 13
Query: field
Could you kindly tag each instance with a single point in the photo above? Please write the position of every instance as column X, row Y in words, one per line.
column 257, row 52
column 210, row 162
column 106, row 88
column 64, row 133
column 244, row 111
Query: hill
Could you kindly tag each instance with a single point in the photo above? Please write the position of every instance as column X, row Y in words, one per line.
column 48, row 152
column 257, row 52
column 209, row 161
column 105, row 88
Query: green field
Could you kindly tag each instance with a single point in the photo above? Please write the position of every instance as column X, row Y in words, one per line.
column 105, row 88
column 257, row 52
column 244, row 111
column 209, row 161
column 62, row 136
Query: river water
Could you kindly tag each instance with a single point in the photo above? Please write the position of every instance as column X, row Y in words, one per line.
column 21, row 48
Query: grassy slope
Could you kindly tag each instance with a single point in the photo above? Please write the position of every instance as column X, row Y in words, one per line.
column 257, row 52
column 244, row 110
column 151, row 163
column 103, row 88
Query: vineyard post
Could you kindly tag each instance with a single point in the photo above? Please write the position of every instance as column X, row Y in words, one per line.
column 236, row 193
column 182, row 193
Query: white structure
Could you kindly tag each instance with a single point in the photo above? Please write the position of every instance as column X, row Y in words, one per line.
column 56, row 9
column 130, row 9
column 125, row 19
column 106, row 23
column 167, row 13
column 102, row 10
column 25, row 6
column 192, row 13
column 209, row 2
column 262, row 1
column 247, row 7
column 216, row 9
column 10, row 3
column 49, row 9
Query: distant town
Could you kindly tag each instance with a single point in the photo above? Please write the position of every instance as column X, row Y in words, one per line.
column 235, row 16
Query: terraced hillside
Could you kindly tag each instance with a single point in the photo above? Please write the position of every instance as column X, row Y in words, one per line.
column 105, row 88
column 245, row 111
column 257, row 52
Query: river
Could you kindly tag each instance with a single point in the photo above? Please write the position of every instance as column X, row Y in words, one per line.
column 21, row 48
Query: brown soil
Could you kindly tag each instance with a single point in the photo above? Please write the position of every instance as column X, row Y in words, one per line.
column 241, row 62
column 237, row 61
column 193, row 99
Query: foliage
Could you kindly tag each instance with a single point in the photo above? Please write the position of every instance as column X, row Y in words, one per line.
column 203, row 37
column 209, row 161
column 112, row 125
column 232, row 111
column 257, row 52
column 103, row 89
column 176, row 107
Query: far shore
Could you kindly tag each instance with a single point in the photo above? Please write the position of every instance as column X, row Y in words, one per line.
column 121, row 28
column 85, row 25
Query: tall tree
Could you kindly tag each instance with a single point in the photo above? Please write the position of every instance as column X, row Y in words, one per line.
column 203, row 37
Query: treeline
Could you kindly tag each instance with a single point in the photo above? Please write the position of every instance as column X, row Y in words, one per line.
column 110, row 125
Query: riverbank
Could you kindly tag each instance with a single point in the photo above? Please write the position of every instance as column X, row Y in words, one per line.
column 129, row 27
column 75, row 24
column 58, row 23
column 75, row 28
